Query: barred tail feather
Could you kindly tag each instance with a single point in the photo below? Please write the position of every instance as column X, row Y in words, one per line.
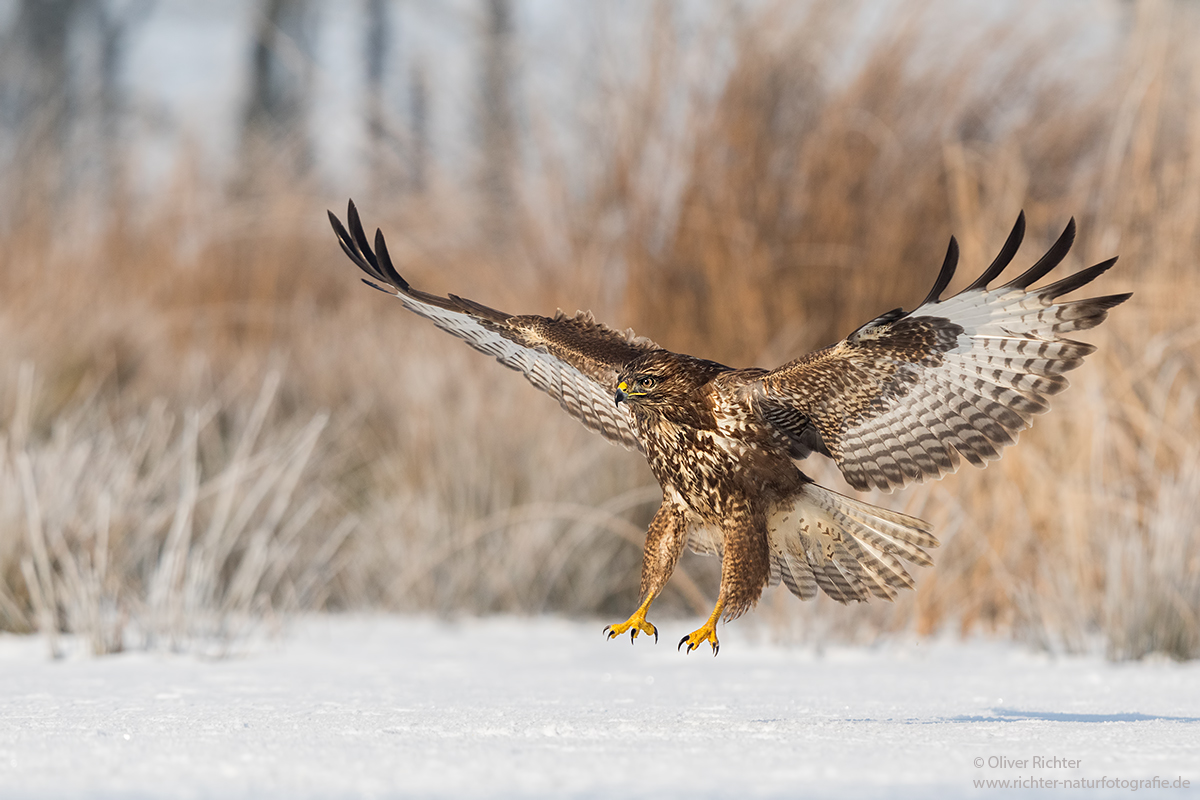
column 851, row 550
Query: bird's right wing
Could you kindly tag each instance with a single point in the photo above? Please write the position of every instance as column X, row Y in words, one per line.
column 575, row 360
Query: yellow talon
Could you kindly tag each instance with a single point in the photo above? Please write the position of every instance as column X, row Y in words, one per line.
column 708, row 633
column 635, row 624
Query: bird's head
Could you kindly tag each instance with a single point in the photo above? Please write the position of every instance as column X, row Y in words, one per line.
column 660, row 379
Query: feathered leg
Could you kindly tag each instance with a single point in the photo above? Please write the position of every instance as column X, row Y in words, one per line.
column 745, row 568
column 664, row 544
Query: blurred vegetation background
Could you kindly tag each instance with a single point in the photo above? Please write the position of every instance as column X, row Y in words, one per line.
column 208, row 421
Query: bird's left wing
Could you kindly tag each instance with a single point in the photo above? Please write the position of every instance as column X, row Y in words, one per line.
column 908, row 395
column 575, row 359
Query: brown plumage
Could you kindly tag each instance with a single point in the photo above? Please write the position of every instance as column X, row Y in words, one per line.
column 904, row 398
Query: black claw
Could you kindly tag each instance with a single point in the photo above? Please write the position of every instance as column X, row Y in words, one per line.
column 632, row 634
column 682, row 642
column 656, row 636
column 716, row 649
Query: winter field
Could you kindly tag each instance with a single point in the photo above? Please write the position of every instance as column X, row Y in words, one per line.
column 505, row 707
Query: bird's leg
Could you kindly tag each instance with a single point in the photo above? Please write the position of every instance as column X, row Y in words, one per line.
column 664, row 544
column 708, row 632
column 745, row 569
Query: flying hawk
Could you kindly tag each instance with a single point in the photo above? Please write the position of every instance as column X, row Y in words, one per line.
column 904, row 398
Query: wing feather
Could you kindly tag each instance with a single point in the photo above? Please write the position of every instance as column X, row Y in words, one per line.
column 575, row 360
column 907, row 396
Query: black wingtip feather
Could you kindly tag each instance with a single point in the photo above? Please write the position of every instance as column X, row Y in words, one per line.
column 385, row 263
column 1073, row 282
column 944, row 275
column 1054, row 256
column 374, row 285
column 1011, row 245
column 1111, row 300
column 360, row 239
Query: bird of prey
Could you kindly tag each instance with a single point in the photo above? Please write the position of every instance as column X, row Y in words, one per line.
column 906, row 397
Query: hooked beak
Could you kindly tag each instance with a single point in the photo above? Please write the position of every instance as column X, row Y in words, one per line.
column 621, row 387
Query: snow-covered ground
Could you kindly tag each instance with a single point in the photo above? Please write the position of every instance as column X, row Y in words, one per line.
column 397, row 707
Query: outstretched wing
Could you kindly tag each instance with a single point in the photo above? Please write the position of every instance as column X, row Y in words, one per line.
column 908, row 395
column 575, row 359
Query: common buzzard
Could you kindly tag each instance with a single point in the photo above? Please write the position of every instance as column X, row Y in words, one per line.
column 904, row 398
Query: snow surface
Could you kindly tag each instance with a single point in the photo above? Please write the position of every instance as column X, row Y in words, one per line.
column 399, row 707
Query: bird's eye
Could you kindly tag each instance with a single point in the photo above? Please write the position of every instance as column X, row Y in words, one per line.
column 647, row 382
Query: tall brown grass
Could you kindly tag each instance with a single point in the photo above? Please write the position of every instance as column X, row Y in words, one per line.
column 150, row 477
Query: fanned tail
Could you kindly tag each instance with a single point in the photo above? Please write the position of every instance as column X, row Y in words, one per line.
column 849, row 549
